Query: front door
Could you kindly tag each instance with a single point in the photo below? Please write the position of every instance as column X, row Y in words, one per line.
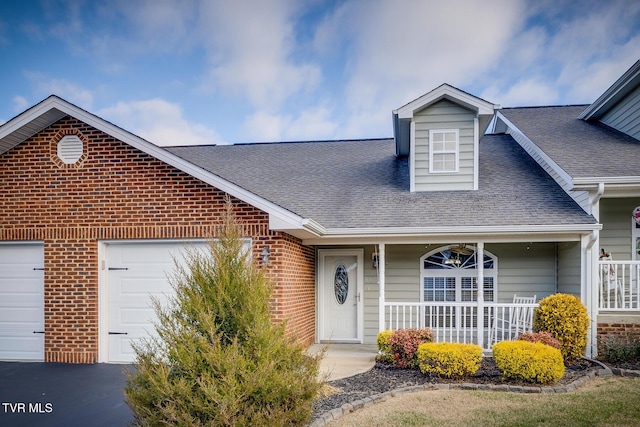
column 341, row 296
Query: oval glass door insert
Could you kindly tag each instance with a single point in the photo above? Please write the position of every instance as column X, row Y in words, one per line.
column 341, row 284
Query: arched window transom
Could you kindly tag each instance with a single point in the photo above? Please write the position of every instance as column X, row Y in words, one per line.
column 450, row 274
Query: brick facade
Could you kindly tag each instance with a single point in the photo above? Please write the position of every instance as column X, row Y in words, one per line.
column 116, row 191
column 623, row 331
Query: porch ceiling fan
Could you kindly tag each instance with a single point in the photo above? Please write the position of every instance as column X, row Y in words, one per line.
column 461, row 249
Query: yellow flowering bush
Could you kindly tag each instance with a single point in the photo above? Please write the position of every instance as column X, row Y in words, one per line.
column 528, row 361
column 384, row 345
column 450, row 360
column 566, row 318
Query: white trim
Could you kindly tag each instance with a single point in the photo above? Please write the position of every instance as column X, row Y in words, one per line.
column 533, row 150
column 476, row 153
column 471, row 102
column 618, row 90
column 444, row 151
column 489, row 234
column 286, row 219
column 458, row 273
column 412, row 156
column 322, row 254
column 382, row 271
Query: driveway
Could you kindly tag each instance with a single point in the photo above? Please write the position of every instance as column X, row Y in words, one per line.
column 59, row 394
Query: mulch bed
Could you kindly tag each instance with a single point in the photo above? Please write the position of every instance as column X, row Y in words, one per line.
column 385, row 377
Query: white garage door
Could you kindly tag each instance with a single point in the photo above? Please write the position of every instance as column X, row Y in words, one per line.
column 21, row 301
column 135, row 271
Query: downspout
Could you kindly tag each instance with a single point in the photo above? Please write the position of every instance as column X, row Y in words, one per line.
column 591, row 279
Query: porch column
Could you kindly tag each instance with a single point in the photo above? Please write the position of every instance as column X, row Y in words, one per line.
column 480, row 281
column 381, row 276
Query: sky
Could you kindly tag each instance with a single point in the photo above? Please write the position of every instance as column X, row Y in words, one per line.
column 183, row 72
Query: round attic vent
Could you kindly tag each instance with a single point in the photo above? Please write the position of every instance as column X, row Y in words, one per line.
column 70, row 149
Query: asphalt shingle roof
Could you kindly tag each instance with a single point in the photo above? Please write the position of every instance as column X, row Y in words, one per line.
column 362, row 184
column 582, row 149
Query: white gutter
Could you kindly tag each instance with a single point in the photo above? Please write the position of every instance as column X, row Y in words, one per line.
column 471, row 230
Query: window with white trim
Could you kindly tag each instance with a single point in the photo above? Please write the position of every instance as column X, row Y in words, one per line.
column 443, row 151
column 450, row 274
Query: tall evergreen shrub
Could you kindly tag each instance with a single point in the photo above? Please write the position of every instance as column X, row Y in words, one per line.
column 218, row 359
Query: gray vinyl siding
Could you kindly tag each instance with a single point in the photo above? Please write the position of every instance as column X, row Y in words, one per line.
column 615, row 237
column 625, row 116
column 444, row 114
column 525, row 272
column 569, row 270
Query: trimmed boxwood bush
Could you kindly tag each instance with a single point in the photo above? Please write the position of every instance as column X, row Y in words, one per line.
column 404, row 344
column 566, row 318
column 449, row 360
column 528, row 361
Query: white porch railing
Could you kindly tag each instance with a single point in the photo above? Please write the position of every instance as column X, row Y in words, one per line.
column 458, row 321
column 619, row 285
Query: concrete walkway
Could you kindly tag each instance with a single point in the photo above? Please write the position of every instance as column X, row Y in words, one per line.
column 345, row 360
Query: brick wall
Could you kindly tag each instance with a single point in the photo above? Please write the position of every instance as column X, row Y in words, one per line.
column 118, row 192
column 293, row 270
column 624, row 331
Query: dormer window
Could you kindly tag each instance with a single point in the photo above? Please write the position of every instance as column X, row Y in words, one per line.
column 443, row 151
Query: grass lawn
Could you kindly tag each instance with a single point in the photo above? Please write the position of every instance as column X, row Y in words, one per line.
column 612, row 401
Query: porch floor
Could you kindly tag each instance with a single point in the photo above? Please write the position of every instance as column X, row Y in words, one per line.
column 345, row 360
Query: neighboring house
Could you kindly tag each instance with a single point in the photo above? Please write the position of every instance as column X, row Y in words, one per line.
column 358, row 236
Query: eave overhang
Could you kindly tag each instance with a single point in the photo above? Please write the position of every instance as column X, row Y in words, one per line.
column 53, row 108
column 621, row 88
column 420, row 235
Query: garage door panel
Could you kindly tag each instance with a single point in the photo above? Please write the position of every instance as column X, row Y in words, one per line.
column 21, row 316
column 138, row 271
column 21, row 301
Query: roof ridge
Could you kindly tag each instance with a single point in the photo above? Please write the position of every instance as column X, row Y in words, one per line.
column 286, row 142
column 544, row 106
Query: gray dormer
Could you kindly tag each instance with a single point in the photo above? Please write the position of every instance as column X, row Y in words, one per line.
column 440, row 133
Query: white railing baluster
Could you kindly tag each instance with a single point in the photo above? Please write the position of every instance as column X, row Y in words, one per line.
column 619, row 285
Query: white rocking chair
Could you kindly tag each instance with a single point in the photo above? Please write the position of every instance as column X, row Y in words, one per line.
column 610, row 285
column 520, row 320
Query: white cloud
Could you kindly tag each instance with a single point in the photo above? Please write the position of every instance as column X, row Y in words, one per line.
column 20, row 104
column 160, row 122
column 45, row 85
column 401, row 50
column 313, row 124
column 525, row 92
column 251, row 51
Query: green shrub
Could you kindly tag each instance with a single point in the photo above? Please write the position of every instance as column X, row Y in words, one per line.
column 218, row 359
column 449, row 360
column 544, row 337
column 384, row 345
column 618, row 349
column 404, row 344
column 565, row 317
column 528, row 361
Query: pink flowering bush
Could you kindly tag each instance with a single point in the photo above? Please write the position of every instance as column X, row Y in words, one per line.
column 544, row 337
column 404, row 345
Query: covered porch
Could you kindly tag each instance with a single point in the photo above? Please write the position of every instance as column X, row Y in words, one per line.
column 464, row 300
